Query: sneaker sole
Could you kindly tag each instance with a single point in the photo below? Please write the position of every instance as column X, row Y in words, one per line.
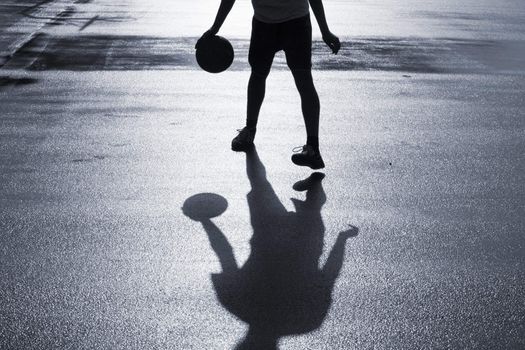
column 311, row 166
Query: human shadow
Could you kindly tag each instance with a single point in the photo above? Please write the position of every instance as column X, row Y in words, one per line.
column 280, row 290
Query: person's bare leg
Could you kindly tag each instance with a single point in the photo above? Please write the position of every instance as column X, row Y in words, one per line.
column 309, row 103
column 256, row 91
column 310, row 155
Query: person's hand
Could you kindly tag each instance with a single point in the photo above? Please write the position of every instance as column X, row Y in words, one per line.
column 332, row 41
column 209, row 33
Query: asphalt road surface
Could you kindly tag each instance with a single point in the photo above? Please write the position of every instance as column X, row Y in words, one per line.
column 127, row 223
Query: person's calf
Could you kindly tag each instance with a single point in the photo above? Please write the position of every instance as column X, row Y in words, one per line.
column 309, row 104
column 256, row 92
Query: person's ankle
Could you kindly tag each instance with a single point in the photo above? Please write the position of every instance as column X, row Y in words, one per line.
column 313, row 141
column 251, row 125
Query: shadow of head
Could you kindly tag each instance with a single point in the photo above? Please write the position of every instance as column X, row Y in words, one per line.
column 204, row 206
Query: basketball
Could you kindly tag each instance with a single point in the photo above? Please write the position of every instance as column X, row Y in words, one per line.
column 214, row 54
column 204, row 206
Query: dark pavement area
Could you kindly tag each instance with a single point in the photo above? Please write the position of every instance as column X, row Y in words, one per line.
column 98, row 52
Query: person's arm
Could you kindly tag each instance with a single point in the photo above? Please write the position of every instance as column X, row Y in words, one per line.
column 330, row 39
column 222, row 13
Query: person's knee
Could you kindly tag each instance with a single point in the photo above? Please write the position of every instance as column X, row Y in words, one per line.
column 259, row 75
column 303, row 81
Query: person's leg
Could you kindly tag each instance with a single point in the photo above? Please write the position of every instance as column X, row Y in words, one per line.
column 310, row 155
column 260, row 57
column 309, row 104
column 262, row 50
column 256, row 91
column 297, row 45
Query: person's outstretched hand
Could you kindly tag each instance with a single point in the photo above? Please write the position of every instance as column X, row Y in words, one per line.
column 209, row 33
column 332, row 41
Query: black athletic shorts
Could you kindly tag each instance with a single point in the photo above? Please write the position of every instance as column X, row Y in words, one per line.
column 294, row 37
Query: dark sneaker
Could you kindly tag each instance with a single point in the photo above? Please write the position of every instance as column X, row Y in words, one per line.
column 243, row 141
column 308, row 157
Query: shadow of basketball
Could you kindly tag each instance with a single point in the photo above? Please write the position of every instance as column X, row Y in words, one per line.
column 204, row 206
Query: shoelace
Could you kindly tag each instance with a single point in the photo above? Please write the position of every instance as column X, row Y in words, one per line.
column 298, row 149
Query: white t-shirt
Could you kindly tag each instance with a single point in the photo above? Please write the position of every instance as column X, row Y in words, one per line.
column 277, row 11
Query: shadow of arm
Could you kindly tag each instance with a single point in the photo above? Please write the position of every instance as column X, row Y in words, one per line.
column 334, row 263
column 220, row 246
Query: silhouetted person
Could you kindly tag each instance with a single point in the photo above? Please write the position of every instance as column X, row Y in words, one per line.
column 282, row 25
column 280, row 290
